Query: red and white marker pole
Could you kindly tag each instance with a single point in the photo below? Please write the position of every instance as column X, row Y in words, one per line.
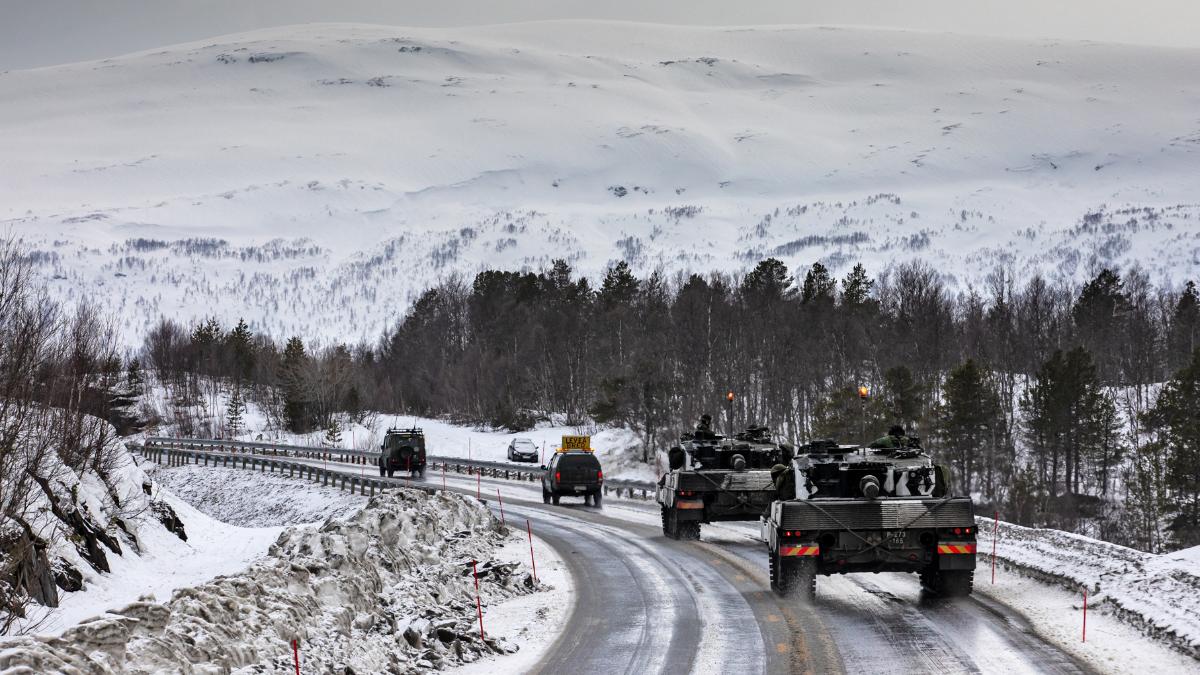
column 443, row 476
column 1085, row 614
column 498, row 499
column 532, row 560
column 478, row 486
column 478, row 603
column 296, row 654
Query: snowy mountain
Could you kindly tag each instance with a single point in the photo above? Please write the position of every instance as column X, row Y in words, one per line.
column 315, row 178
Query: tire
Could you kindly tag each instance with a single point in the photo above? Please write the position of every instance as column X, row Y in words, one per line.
column 382, row 472
column 669, row 523
column 587, row 499
column 554, row 499
column 545, row 496
column 948, row 583
column 596, row 499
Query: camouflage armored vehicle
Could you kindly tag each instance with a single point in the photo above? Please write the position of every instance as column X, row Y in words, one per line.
column 713, row 478
column 402, row 450
column 846, row 509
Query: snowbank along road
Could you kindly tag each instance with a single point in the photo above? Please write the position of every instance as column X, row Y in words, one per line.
column 645, row 604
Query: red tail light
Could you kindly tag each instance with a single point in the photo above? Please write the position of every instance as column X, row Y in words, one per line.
column 557, row 475
column 599, row 474
column 967, row 531
column 958, row 530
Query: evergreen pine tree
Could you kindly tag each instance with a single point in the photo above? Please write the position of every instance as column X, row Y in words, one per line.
column 967, row 426
column 903, row 396
column 856, row 287
column 1176, row 418
column 1101, row 317
column 235, row 412
column 1184, row 332
column 818, row 286
column 295, row 396
column 240, row 342
column 333, row 435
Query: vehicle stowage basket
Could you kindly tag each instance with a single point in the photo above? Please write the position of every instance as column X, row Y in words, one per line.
column 737, row 481
column 836, row 514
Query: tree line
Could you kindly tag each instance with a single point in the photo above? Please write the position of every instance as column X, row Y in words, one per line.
column 1047, row 401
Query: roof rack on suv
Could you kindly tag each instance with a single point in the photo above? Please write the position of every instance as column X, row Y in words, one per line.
column 410, row 430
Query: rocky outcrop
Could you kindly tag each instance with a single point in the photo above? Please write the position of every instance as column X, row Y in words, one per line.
column 91, row 536
column 166, row 515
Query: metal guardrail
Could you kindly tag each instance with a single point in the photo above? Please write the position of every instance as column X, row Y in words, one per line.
column 364, row 485
column 216, row 448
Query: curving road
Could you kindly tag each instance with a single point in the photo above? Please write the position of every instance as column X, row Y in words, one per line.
column 648, row 604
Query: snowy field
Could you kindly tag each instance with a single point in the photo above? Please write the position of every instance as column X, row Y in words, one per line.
column 313, row 178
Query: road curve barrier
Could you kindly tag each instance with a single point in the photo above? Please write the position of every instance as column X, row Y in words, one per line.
column 271, row 456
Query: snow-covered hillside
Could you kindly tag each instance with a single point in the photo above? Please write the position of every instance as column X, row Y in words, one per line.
column 314, row 178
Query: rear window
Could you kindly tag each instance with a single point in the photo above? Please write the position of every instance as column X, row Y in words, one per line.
column 397, row 442
column 580, row 461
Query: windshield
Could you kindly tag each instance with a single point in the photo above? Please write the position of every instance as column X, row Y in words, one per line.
column 523, row 444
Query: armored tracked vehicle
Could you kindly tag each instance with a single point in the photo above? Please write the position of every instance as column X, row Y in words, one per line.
column 846, row 509
column 715, row 478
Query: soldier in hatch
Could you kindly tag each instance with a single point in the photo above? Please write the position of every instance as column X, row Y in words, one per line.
column 896, row 439
column 704, row 428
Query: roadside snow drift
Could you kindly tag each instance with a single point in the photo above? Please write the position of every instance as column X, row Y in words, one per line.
column 386, row 589
column 1157, row 594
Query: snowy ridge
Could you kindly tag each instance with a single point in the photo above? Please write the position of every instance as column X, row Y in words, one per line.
column 315, row 178
column 1157, row 594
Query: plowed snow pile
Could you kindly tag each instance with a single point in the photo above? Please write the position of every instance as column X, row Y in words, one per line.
column 1158, row 594
column 386, row 589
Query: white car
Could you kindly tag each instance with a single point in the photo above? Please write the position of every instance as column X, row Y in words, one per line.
column 522, row 450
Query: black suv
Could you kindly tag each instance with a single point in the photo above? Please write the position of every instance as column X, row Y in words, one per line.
column 402, row 450
column 573, row 473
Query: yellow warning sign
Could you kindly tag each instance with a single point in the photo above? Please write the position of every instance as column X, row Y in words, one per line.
column 576, row 443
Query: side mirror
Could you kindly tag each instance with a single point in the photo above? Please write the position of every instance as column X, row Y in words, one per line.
column 543, row 467
column 381, row 446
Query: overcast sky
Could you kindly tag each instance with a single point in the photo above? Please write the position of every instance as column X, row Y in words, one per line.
column 45, row 32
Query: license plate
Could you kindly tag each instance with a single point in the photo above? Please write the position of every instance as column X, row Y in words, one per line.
column 896, row 539
column 580, row 488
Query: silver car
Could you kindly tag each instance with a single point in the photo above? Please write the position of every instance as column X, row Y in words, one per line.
column 522, row 450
